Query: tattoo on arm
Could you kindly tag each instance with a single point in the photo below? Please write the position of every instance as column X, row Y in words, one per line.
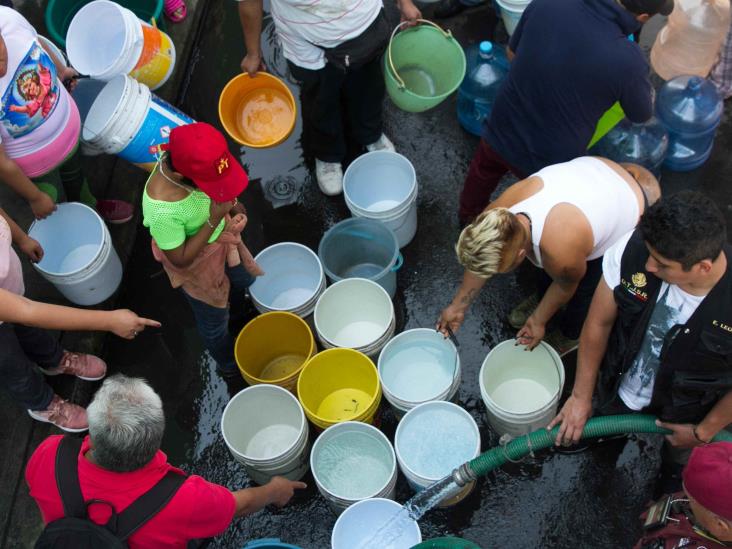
column 468, row 298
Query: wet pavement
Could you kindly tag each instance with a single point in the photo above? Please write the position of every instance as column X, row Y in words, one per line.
column 591, row 499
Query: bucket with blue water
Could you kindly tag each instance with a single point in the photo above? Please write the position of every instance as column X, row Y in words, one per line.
column 126, row 119
column 361, row 248
column 418, row 366
column 357, row 526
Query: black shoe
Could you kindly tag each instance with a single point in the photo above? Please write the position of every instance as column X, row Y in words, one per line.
column 448, row 8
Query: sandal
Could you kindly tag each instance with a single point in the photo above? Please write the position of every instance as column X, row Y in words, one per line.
column 175, row 10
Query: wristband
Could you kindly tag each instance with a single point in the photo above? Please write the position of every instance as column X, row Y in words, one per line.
column 697, row 437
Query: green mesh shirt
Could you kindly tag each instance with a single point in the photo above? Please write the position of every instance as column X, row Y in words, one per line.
column 170, row 223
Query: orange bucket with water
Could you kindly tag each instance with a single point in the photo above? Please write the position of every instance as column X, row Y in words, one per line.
column 257, row 112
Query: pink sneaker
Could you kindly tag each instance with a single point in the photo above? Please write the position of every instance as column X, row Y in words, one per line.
column 64, row 415
column 86, row 367
column 115, row 212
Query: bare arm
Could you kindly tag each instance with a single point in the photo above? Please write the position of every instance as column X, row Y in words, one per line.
column 27, row 245
column 278, row 491
column 13, row 177
column 593, row 343
column 682, row 434
column 454, row 314
column 250, row 16
column 21, row 310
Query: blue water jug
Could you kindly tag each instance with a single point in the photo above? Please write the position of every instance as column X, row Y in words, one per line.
column 644, row 144
column 690, row 108
column 486, row 68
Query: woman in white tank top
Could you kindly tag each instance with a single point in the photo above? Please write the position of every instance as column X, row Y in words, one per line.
column 560, row 218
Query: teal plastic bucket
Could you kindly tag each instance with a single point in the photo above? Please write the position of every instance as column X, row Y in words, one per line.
column 447, row 543
column 269, row 543
column 361, row 248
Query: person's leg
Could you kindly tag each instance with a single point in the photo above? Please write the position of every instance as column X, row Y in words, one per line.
column 20, row 377
column 74, row 181
column 240, row 280
column 39, row 345
column 486, row 170
column 364, row 91
column 575, row 312
column 213, row 327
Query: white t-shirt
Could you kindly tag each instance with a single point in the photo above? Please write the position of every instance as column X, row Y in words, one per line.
column 674, row 306
column 34, row 106
column 303, row 25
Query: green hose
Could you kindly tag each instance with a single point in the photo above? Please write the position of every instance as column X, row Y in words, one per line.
column 595, row 427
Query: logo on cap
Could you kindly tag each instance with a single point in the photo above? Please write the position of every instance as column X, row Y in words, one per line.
column 222, row 165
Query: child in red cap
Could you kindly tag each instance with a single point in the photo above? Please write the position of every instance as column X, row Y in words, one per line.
column 189, row 205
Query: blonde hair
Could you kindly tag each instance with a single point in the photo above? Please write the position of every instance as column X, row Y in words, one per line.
column 490, row 243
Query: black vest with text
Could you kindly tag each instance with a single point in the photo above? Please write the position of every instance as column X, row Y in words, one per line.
column 696, row 357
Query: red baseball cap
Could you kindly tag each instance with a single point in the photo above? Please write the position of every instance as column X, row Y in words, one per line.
column 708, row 477
column 200, row 152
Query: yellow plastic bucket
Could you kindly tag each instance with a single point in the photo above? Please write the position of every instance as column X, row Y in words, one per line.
column 339, row 385
column 257, row 112
column 273, row 348
column 157, row 58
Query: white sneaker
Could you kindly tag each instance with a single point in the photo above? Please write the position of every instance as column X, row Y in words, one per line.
column 383, row 144
column 329, row 176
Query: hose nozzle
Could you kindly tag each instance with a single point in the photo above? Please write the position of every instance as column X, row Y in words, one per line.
column 463, row 475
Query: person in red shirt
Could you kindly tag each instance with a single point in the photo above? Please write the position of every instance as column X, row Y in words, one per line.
column 121, row 459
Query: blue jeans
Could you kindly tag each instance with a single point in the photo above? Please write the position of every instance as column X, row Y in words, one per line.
column 213, row 322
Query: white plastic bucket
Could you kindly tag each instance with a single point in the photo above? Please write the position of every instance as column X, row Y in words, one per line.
column 352, row 461
column 358, row 524
column 382, row 185
column 432, row 440
column 511, row 12
column 521, row 389
column 418, row 366
column 126, row 119
column 85, row 93
column 79, row 258
column 355, row 313
column 293, row 279
column 265, row 429
column 106, row 39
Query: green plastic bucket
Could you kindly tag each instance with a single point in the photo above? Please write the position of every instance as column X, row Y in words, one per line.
column 607, row 122
column 422, row 66
column 447, row 543
column 59, row 14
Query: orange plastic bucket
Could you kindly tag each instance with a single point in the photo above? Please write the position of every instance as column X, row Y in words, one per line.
column 257, row 112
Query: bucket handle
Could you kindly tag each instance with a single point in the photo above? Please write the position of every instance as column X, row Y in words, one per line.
column 398, row 78
column 398, row 264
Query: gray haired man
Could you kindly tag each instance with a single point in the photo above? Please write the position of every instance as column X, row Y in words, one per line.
column 121, row 460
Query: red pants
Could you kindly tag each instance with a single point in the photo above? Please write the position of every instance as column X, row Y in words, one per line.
column 486, row 170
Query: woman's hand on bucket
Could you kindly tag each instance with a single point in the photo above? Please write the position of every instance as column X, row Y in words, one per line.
column 451, row 318
column 126, row 324
column 410, row 12
column 31, row 248
column 531, row 333
column 42, row 206
column 252, row 64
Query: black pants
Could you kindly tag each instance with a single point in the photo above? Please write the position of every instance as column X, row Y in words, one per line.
column 575, row 312
column 21, row 349
column 333, row 100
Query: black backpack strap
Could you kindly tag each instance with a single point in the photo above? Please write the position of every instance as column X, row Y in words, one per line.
column 67, row 477
column 147, row 505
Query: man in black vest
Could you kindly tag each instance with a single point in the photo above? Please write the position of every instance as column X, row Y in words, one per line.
column 660, row 324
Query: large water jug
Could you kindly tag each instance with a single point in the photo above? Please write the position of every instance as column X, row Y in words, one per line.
column 487, row 66
column 691, row 40
column 690, row 108
column 644, row 144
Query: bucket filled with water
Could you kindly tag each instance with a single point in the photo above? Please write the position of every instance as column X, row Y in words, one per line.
column 257, row 111
column 79, row 258
column 293, row 279
column 358, row 526
column 521, row 389
column 423, row 65
column 432, row 440
column 418, row 366
column 361, row 248
column 265, row 429
column 352, row 461
column 105, row 39
column 127, row 120
column 339, row 385
column 355, row 313
column 382, row 185
column 273, row 348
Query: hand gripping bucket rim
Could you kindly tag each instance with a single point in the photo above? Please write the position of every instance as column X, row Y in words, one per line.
column 404, row 424
column 258, row 299
column 342, row 286
column 340, row 501
column 356, row 508
column 556, row 360
column 402, row 404
column 251, row 325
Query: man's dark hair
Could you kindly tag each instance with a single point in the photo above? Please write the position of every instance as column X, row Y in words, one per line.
column 686, row 227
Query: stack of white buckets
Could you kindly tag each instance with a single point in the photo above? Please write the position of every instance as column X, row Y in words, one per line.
column 511, row 11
